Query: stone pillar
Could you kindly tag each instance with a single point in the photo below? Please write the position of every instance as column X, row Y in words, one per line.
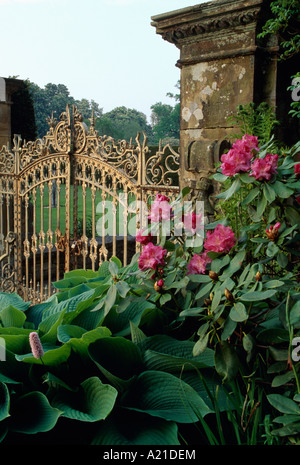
column 7, row 88
column 222, row 66
column 5, row 117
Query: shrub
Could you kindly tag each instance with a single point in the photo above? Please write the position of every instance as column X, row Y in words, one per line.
column 192, row 343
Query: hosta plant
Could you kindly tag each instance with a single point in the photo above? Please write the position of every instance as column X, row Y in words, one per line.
column 192, row 343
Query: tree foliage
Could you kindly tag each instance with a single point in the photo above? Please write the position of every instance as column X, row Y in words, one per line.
column 284, row 22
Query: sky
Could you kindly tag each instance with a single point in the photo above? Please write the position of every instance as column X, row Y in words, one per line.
column 102, row 50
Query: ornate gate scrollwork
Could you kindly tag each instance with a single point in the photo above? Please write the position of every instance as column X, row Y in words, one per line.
column 56, row 192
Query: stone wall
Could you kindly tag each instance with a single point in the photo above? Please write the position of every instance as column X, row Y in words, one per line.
column 7, row 88
column 222, row 66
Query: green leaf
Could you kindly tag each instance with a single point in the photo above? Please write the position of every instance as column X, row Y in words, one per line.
column 12, row 317
column 144, row 430
column 283, row 404
column 262, row 204
column 273, row 336
column 257, row 295
column 273, row 283
column 204, row 290
column 32, row 413
column 92, row 402
column 226, row 361
column 110, row 299
column 117, row 355
column 123, row 288
column 280, row 380
column 282, row 191
column 165, row 396
column 4, row 401
column 53, row 355
column 231, row 191
column 251, row 196
column 238, row 312
column 201, row 345
column 269, row 193
column 113, row 268
column 272, row 249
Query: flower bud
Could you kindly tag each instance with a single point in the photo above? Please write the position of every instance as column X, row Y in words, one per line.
column 158, row 285
column 258, row 276
column 207, row 302
column 229, row 295
column 213, row 275
column 36, row 345
column 272, row 232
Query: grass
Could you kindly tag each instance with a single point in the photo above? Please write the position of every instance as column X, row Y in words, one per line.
column 119, row 224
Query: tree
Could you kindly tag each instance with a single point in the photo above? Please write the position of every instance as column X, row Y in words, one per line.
column 165, row 120
column 284, row 22
column 123, row 123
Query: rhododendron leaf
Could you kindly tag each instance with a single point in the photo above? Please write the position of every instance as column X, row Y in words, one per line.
column 226, row 361
column 262, row 205
column 123, row 288
column 269, row 192
column 257, row 295
column 282, row 191
column 251, row 196
column 204, row 290
column 201, row 345
column 110, row 299
column 238, row 312
column 231, row 191
column 283, row 404
column 272, row 249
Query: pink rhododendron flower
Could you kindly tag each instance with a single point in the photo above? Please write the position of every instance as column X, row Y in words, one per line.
column 198, row 263
column 239, row 157
column 220, row 240
column 160, row 209
column 264, row 168
column 247, row 144
column 192, row 222
column 297, row 170
column 151, row 257
column 144, row 239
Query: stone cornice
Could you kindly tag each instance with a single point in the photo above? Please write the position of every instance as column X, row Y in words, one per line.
column 183, row 25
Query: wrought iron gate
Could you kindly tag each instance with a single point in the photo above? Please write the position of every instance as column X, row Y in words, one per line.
column 56, row 194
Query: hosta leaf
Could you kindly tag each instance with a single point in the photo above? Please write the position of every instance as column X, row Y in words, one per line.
column 32, row 413
column 179, row 350
column 92, row 402
column 53, row 355
column 144, row 430
column 13, row 299
column 12, row 317
column 4, row 401
column 165, row 396
column 117, row 355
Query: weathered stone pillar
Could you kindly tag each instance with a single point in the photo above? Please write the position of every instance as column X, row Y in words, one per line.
column 222, row 66
column 8, row 86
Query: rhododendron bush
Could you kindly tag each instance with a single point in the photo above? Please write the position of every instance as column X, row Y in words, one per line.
column 194, row 342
